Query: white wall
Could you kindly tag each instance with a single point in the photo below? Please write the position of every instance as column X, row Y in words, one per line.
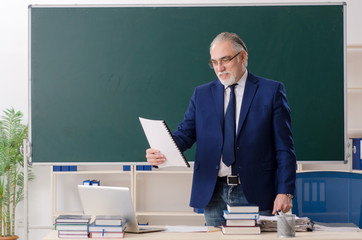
column 14, row 82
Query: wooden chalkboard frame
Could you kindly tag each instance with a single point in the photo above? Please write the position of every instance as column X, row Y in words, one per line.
column 183, row 100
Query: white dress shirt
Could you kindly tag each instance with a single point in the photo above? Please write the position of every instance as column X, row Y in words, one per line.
column 239, row 93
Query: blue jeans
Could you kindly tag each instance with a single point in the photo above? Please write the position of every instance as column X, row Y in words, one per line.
column 225, row 194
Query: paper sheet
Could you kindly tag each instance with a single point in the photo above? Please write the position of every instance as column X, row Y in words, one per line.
column 182, row 228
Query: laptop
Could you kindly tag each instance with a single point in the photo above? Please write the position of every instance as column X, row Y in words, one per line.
column 105, row 200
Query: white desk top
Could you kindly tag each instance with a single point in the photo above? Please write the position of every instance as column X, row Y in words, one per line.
column 218, row 235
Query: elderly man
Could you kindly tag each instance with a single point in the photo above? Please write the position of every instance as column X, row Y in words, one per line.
column 242, row 126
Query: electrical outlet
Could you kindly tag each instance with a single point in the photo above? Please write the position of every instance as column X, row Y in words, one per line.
column 20, row 222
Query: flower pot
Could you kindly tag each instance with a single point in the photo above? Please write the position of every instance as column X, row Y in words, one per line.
column 9, row 237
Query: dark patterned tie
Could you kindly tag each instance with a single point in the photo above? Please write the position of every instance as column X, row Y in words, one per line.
column 228, row 152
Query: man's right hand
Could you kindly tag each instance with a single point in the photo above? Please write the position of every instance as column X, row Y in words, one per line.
column 155, row 157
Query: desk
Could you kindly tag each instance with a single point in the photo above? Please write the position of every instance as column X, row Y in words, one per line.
column 218, row 235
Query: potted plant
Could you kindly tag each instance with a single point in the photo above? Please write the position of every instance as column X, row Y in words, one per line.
column 12, row 133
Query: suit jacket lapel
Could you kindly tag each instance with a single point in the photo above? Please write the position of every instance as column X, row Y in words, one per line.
column 218, row 97
column 251, row 87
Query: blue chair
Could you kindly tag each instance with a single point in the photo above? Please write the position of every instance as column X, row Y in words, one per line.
column 326, row 196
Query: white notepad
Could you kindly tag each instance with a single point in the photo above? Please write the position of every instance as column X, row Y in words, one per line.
column 159, row 137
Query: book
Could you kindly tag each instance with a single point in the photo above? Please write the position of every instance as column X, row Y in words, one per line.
column 250, row 208
column 240, row 230
column 160, row 137
column 108, row 220
column 227, row 215
column 106, row 235
column 106, row 228
column 241, row 222
column 72, row 232
column 71, row 226
column 72, row 235
column 73, row 219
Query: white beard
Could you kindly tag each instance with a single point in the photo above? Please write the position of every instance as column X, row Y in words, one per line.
column 226, row 82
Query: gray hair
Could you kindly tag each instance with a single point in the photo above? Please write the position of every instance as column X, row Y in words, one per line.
column 237, row 43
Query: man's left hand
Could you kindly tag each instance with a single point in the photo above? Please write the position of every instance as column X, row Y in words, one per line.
column 282, row 202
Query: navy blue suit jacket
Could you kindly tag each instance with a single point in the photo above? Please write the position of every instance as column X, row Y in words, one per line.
column 264, row 146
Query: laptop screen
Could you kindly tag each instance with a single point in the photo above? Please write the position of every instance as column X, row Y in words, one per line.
column 105, row 200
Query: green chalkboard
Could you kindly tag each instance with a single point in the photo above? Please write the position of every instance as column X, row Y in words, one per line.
column 95, row 70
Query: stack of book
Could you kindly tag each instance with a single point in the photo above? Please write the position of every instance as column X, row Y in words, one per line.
column 241, row 220
column 72, row 226
column 107, row 227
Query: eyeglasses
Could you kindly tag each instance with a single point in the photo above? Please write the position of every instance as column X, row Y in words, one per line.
column 222, row 61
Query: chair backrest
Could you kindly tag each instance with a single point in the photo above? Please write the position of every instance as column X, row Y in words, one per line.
column 327, row 196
